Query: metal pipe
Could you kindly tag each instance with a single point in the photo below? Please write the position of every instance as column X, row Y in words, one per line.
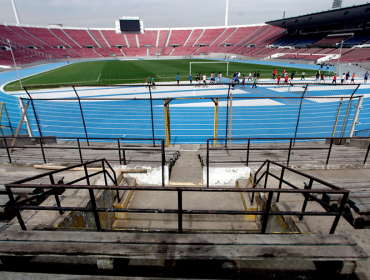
column 179, row 205
column 82, row 114
column 266, row 215
column 163, row 161
column 227, row 114
column 207, row 163
column 34, row 111
column 7, row 150
column 299, row 112
column 355, row 118
column 151, row 109
column 331, row 145
column 42, row 150
column 306, row 198
column 79, row 149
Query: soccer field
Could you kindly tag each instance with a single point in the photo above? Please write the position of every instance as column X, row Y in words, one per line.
column 108, row 72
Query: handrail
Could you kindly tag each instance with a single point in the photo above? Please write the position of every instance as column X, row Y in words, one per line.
column 151, row 143
column 308, row 195
column 53, row 189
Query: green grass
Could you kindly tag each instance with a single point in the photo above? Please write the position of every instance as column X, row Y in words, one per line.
column 136, row 71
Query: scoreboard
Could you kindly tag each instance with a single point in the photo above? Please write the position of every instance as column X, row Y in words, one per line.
column 129, row 25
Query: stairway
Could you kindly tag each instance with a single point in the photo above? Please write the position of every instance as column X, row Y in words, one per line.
column 188, row 169
column 187, row 172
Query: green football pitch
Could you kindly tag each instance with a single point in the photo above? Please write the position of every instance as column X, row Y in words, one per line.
column 111, row 72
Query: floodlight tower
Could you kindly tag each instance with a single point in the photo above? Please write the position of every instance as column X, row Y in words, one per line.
column 16, row 13
column 227, row 12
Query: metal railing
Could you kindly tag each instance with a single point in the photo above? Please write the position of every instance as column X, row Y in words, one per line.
column 56, row 190
column 247, row 147
column 308, row 191
column 362, row 133
column 121, row 151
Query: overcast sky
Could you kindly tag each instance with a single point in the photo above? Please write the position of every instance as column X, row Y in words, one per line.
column 159, row 13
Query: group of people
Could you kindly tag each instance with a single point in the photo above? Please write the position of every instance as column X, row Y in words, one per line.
column 236, row 77
column 203, row 79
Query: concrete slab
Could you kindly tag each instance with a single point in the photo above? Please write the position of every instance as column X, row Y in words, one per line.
column 187, row 170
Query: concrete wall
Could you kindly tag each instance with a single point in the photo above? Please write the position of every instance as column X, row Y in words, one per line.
column 86, row 220
column 344, row 68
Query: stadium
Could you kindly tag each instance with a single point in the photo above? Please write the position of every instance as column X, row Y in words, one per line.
column 167, row 147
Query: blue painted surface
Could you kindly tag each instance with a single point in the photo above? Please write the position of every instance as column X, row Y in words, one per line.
column 192, row 124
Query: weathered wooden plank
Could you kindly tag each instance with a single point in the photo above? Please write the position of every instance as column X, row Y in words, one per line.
column 188, row 251
column 153, row 238
column 6, row 275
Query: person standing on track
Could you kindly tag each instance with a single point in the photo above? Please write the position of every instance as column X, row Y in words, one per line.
column 334, row 79
column 366, row 76
column 343, row 78
column 204, row 79
column 219, row 77
column 273, row 74
column 254, row 83
column 178, row 78
column 148, row 83
column 278, row 81
column 191, row 78
column 286, row 80
column 303, row 74
column 243, row 82
column 353, row 78
column 153, row 83
column 250, row 76
column 322, row 77
column 233, row 81
column 347, row 77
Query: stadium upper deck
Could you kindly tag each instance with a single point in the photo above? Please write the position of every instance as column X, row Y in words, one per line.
column 259, row 40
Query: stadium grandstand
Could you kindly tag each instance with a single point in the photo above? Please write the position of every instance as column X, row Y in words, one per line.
column 127, row 165
column 312, row 37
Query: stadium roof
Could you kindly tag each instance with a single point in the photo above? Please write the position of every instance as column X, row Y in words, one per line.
column 337, row 16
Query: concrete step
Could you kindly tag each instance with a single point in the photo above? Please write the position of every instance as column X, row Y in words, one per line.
column 171, row 224
column 166, row 217
column 187, row 170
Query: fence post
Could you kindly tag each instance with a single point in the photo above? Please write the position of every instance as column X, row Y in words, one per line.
column 82, row 115
column 227, row 114
column 231, row 121
column 207, row 163
column 355, row 118
column 16, row 210
column 267, row 211
column 367, row 153
column 29, row 129
column 280, row 183
column 167, row 122
column 10, row 159
column 340, row 212
column 215, row 128
column 34, row 111
column 249, row 144
column 299, row 113
column 151, row 110
column 336, row 122
column 306, row 197
column 347, row 114
column 163, row 160
column 329, row 152
column 179, row 205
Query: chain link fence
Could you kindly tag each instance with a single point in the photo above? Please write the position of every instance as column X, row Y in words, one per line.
column 195, row 112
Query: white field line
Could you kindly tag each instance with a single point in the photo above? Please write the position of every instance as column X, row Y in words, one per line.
column 98, row 78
